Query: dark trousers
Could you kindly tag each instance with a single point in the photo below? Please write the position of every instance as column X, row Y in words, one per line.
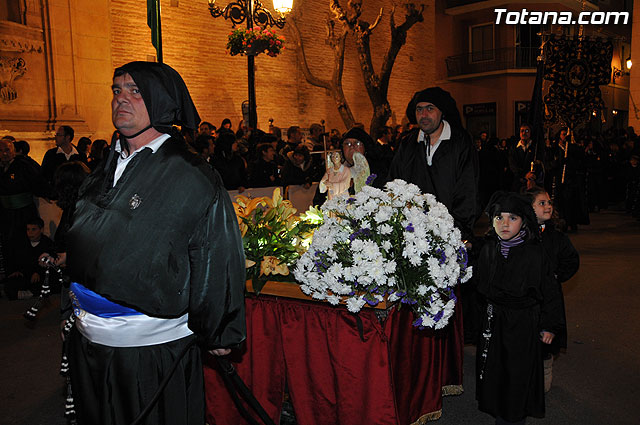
column 112, row 385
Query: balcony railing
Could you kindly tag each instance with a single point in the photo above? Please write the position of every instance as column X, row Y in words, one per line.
column 492, row 60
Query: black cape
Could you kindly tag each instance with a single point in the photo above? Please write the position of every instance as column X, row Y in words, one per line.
column 164, row 241
column 526, row 300
column 452, row 177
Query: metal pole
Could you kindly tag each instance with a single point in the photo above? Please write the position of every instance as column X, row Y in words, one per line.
column 251, row 77
column 159, row 32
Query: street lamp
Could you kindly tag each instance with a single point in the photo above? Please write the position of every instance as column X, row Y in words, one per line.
column 252, row 11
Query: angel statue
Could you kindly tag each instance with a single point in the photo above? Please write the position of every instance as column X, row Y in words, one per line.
column 339, row 176
column 337, row 179
column 359, row 171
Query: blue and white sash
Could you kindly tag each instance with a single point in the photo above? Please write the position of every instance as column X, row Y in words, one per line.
column 107, row 323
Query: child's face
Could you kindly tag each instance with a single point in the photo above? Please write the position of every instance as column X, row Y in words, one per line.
column 543, row 207
column 507, row 225
column 34, row 232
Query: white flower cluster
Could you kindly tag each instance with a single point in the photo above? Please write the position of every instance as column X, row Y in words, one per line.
column 395, row 242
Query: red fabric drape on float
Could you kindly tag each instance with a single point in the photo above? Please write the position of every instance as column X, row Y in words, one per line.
column 334, row 375
column 392, row 375
column 261, row 366
column 416, row 360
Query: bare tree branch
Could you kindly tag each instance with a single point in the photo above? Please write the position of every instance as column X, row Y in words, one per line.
column 340, row 22
column 375, row 24
column 302, row 58
column 336, row 38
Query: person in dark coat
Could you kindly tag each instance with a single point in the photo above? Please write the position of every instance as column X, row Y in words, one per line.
column 572, row 191
column 521, row 157
column 26, row 279
column 20, row 180
column 63, row 152
column 297, row 168
column 265, row 171
column 565, row 262
column 439, row 157
column 156, row 262
column 523, row 311
column 380, row 156
column 228, row 163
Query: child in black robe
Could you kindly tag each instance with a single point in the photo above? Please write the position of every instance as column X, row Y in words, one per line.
column 565, row 262
column 523, row 310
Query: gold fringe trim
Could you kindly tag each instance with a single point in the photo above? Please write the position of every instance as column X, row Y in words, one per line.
column 433, row 416
column 452, row 390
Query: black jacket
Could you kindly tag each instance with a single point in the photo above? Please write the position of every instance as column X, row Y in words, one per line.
column 52, row 160
column 565, row 260
column 452, row 177
column 525, row 278
column 164, row 241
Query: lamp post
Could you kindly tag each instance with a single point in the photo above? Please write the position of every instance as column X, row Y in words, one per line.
column 252, row 11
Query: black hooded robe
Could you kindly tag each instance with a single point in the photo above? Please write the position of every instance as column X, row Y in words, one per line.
column 526, row 300
column 452, row 177
column 163, row 241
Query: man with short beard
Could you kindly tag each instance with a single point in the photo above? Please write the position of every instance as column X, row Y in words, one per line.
column 439, row 157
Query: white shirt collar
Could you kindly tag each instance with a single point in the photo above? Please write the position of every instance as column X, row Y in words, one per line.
column 444, row 135
column 74, row 151
column 154, row 145
column 522, row 145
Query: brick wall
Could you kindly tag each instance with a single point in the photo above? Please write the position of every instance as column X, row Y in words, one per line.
column 194, row 44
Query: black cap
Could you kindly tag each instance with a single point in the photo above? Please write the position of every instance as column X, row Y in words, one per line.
column 441, row 99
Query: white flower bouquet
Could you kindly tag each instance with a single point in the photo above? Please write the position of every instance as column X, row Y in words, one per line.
column 395, row 243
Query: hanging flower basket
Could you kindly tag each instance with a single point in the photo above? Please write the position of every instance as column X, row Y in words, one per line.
column 253, row 42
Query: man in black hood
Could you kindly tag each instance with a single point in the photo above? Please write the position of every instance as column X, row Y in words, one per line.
column 439, row 157
column 156, row 262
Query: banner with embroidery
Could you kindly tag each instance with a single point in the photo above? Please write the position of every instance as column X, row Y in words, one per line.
column 576, row 67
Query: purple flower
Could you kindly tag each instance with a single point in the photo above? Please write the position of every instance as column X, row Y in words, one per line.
column 438, row 316
column 370, row 179
column 417, row 322
column 351, row 200
column 443, row 258
column 364, row 232
column 463, row 257
column 372, row 301
column 410, row 228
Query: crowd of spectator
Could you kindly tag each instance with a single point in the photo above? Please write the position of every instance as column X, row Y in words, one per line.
column 583, row 173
